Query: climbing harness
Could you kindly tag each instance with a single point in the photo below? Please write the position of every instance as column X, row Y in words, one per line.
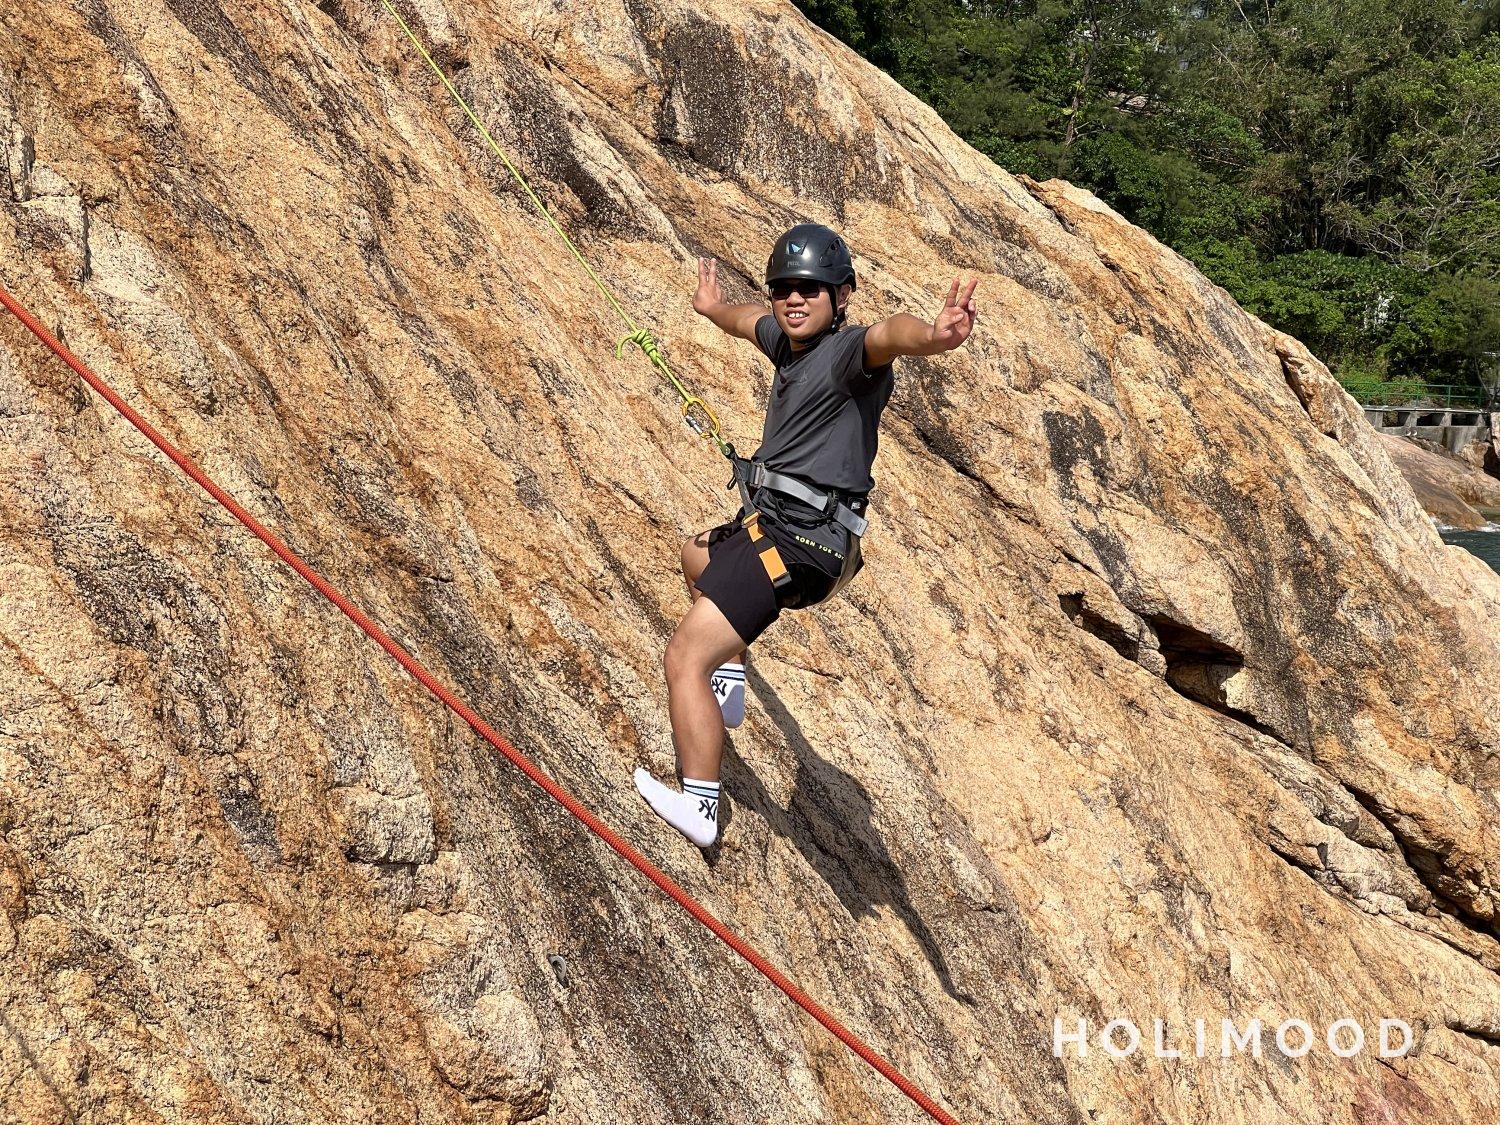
column 751, row 476
column 831, row 504
column 483, row 729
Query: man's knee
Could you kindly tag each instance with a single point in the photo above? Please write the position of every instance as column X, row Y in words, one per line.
column 693, row 648
column 678, row 659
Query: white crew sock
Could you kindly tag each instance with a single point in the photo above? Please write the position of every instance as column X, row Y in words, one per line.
column 693, row 812
column 728, row 682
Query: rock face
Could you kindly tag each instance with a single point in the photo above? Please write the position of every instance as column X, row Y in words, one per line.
column 1476, row 454
column 1158, row 697
column 1447, row 487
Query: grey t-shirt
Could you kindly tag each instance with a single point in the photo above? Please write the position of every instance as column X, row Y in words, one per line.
column 824, row 409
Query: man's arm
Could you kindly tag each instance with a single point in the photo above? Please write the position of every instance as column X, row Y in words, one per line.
column 737, row 320
column 904, row 334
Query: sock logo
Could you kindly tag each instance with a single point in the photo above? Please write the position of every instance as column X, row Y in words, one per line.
column 721, row 687
column 709, row 809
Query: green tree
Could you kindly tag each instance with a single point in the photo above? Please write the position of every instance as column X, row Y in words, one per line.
column 1431, row 200
column 1334, row 164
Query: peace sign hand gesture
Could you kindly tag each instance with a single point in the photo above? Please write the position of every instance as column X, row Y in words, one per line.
column 956, row 321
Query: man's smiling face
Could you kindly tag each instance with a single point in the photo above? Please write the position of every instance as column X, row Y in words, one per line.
column 803, row 308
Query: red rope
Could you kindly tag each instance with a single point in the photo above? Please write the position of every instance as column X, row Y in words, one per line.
column 516, row 758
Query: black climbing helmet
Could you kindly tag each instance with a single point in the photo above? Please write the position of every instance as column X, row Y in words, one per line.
column 813, row 251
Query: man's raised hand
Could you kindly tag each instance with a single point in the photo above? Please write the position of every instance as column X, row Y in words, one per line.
column 956, row 320
column 709, row 294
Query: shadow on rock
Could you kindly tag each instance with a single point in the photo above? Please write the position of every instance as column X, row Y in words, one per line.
column 829, row 821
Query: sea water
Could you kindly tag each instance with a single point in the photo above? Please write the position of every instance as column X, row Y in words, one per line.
column 1485, row 542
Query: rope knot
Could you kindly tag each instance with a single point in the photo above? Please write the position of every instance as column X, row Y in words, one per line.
column 643, row 339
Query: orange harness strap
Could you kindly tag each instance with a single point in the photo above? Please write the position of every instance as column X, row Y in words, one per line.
column 770, row 557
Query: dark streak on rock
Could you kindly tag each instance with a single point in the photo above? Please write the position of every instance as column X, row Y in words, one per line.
column 211, row 27
column 704, row 71
column 545, row 150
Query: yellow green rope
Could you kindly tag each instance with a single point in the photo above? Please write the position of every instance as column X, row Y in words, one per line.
column 641, row 337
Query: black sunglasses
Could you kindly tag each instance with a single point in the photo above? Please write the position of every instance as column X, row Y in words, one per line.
column 781, row 290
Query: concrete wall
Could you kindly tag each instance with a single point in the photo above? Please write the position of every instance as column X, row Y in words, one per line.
column 1454, row 430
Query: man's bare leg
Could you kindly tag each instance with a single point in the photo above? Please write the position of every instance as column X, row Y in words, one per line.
column 694, row 562
column 728, row 680
column 703, row 640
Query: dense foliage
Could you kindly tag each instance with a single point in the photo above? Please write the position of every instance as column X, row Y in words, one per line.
column 1334, row 164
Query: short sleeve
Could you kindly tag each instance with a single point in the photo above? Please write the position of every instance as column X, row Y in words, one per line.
column 850, row 373
column 768, row 336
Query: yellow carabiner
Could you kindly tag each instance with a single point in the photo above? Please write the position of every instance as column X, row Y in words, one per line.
column 713, row 421
column 644, row 340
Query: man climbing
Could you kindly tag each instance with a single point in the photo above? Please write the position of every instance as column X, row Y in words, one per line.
column 796, row 541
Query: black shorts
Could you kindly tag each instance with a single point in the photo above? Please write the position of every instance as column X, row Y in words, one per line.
column 736, row 581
